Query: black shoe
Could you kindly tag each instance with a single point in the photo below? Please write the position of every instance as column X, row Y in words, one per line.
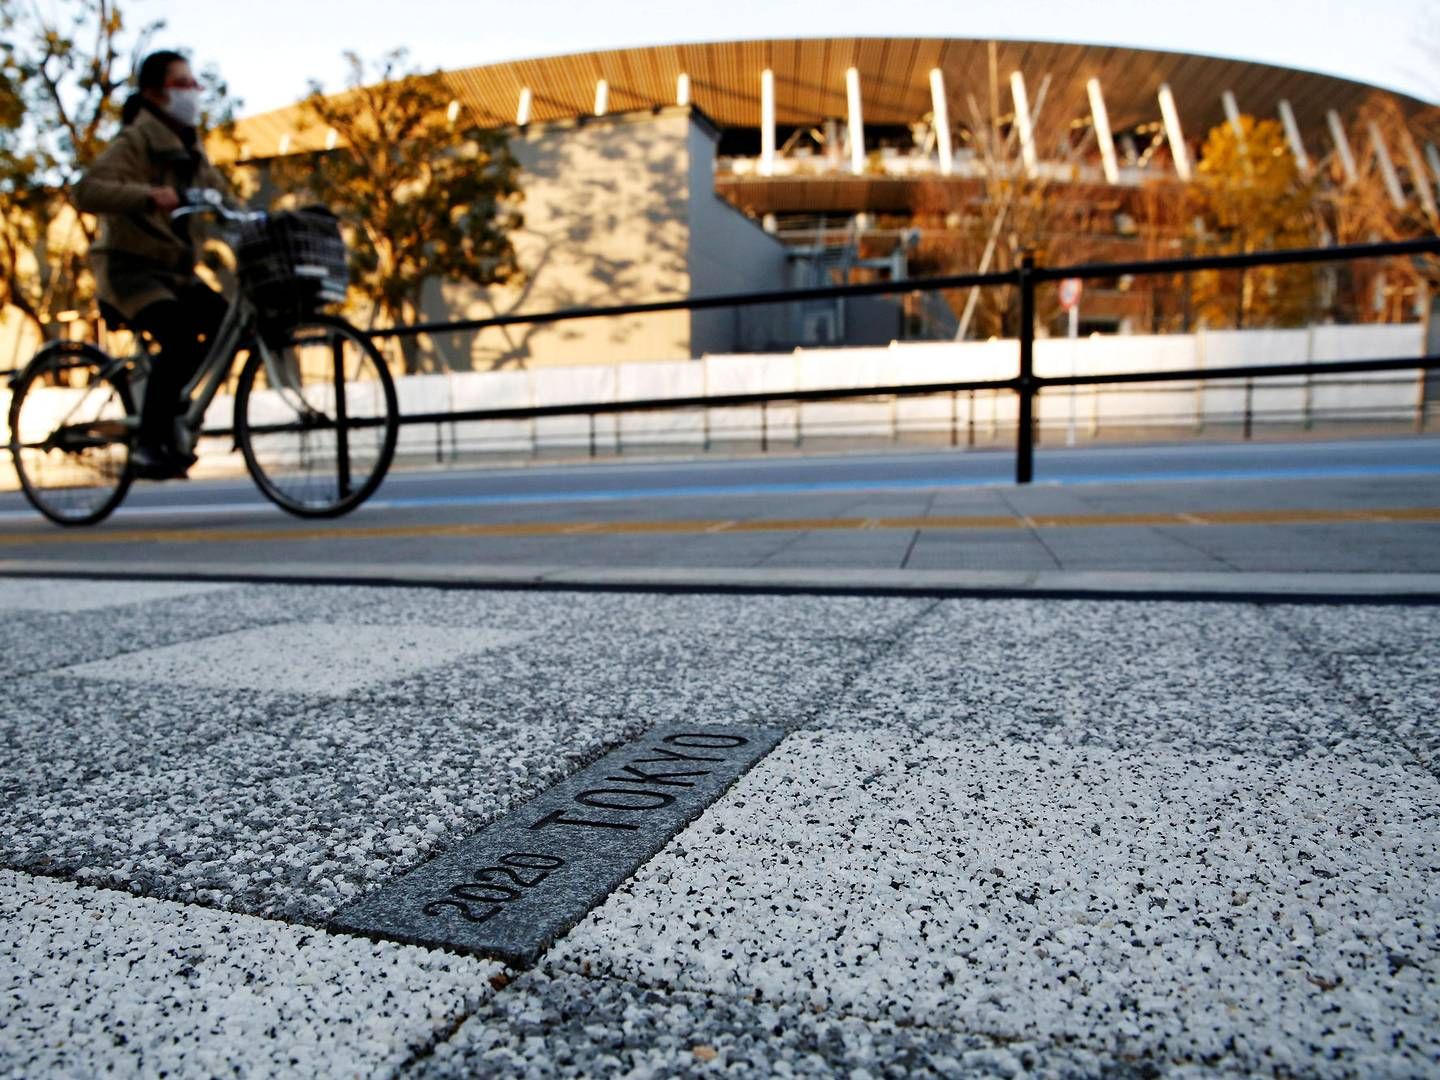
column 159, row 463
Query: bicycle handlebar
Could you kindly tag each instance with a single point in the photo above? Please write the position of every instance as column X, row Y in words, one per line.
column 208, row 201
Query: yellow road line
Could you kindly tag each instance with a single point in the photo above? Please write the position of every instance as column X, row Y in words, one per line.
column 481, row 530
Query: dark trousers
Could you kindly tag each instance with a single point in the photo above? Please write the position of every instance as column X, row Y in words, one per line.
column 183, row 328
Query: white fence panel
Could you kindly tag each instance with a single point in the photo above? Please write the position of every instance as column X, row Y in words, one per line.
column 472, row 390
column 574, row 385
column 674, row 379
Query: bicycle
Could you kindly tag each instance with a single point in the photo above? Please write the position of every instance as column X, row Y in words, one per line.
column 315, row 411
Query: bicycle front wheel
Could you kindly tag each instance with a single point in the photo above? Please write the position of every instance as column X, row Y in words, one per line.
column 72, row 419
column 316, row 417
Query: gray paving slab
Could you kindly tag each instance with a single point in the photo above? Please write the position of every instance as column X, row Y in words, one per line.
column 1205, row 676
column 52, row 595
column 564, row 1025
column 250, row 791
column 94, row 982
column 1335, row 549
column 1092, row 909
column 284, row 658
column 1002, row 837
column 32, row 641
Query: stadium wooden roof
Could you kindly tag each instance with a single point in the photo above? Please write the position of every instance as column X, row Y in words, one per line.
column 894, row 78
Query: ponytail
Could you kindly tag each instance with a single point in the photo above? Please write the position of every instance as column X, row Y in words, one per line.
column 131, row 109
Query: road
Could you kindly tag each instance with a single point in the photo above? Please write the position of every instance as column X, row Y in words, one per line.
column 1361, row 505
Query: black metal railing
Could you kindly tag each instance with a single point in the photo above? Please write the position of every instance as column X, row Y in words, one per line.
column 1026, row 385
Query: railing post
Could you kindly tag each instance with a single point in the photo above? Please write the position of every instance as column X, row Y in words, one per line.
column 1025, row 383
column 1249, row 408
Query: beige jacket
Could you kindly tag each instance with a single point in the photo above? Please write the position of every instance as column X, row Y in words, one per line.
column 138, row 257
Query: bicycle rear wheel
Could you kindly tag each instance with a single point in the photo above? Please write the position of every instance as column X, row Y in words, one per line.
column 316, row 417
column 72, row 418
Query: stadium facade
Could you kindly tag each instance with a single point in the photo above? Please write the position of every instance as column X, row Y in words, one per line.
column 653, row 173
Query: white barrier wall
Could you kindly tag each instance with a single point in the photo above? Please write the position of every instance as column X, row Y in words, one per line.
column 1385, row 396
column 1188, row 404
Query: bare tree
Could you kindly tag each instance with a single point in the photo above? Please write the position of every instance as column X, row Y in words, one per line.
column 1390, row 196
column 427, row 198
column 986, row 224
column 71, row 71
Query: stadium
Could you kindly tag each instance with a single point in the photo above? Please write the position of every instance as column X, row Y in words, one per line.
column 792, row 162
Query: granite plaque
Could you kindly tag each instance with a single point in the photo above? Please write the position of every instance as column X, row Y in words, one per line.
column 512, row 889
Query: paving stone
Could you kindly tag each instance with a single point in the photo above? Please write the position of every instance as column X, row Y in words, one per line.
column 70, row 594
column 1266, row 833
column 94, row 982
column 299, row 658
column 568, row 1025
column 33, row 642
column 1078, row 673
column 1148, row 908
column 297, row 804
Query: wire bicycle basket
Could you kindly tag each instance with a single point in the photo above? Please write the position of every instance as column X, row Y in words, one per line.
column 292, row 263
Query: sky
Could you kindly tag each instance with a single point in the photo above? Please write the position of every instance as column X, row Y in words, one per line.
column 268, row 50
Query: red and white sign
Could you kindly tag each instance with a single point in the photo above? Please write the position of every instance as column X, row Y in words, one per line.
column 1070, row 289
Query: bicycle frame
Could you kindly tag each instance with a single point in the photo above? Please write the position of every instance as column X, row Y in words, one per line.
column 200, row 391
column 238, row 327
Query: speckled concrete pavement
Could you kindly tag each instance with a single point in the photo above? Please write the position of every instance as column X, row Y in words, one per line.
column 1003, row 837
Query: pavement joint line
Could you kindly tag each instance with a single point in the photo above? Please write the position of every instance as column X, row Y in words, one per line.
column 1298, row 516
column 1324, row 664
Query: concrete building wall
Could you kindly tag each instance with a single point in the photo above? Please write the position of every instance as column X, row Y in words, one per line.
column 729, row 253
column 606, row 222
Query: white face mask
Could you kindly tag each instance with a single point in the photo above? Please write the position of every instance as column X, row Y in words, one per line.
column 184, row 106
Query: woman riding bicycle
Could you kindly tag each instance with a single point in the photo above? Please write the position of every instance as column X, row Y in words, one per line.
column 144, row 262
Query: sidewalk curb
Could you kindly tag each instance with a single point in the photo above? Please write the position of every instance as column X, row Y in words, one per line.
column 1327, row 588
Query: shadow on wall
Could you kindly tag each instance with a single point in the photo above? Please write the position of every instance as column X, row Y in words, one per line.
column 606, row 222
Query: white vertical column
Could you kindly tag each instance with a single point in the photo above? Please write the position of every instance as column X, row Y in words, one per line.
column 1101, row 119
column 522, row 111
column 602, row 97
column 767, row 123
column 940, row 109
column 1292, row 135
column 1179, row 153
column 1023, row 122
column 1342, row 146
column 1232, row 114
column 1418, row 174
column 682, row 89
column 1387, row 167
column 857, row 121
